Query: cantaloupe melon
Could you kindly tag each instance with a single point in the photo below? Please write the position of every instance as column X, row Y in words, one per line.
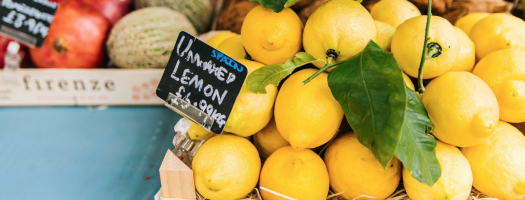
column 199, row 12
column 145, row 38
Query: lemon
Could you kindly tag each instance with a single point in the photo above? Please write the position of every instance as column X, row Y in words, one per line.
column 462, row 107
column 338, row 29
column 455, row 182
column 408, row 82
column 268, row 140
column 216, row 40
column 226, row 167
column 233, row 47
column 251, row 111
column 497, row 31
column 272, row 38
column 466, row 22
column 354, row 170
column 394, row 12
column 307, row 115
column 467, row 55
column 504, row 73
column 385, row 33
column 196, row 132
column 498, row 163
column 407, row 46
column 297, row 174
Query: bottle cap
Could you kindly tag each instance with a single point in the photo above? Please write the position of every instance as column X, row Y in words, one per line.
column 13, row 47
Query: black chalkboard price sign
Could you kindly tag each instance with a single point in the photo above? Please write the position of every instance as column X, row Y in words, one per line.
column 27, row 21
column 201, row 83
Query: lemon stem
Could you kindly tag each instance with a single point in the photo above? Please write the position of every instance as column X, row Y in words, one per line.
column 326, row 67
column 424, row 57
column 329, row 61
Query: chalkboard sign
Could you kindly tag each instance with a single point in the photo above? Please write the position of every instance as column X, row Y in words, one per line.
column 27, row 20
column 201, row 83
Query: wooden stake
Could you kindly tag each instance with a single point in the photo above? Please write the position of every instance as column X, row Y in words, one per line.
column 176, row 178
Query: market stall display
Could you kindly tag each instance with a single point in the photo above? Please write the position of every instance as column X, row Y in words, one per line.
column 455, row 48
column 334, row 105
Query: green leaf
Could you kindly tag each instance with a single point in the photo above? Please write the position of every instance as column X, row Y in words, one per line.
column 276, row 5
column 290, row 3
column 417, row 148
column 372, row 93
column 273, row 74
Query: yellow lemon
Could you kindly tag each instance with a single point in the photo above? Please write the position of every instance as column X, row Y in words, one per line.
column 272, row 38
column 504, row 72
column 466, row 22
column 233, row 47
column 498, row 163
column 394, row 12
column 226, row 167
column 407, row 46
column 455, row 182
column 307, row 115
column 268, row 140
column 408, row 82
column 462, row 107
column 196, row 132
column 216, row 40
column 354, row 170
column 338, row 29
column 498, row 31
column 251, row 111
column 297, row 174
column 385, row 33
column 467, row 55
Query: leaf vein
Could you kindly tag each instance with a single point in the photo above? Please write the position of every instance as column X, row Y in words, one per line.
column 418, row 147
column 265, row 82
column 367, row 93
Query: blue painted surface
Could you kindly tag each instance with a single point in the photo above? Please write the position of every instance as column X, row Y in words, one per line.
column 73, row 153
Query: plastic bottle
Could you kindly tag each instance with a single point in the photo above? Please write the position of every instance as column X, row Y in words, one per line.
column 13, row 59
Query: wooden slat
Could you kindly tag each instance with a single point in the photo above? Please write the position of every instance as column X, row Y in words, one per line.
column 176, row 178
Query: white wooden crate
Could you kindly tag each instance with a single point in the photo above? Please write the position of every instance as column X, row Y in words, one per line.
column 83, row 87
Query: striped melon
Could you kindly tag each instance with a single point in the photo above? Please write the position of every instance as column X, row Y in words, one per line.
column 145, row 38
column 199, row 12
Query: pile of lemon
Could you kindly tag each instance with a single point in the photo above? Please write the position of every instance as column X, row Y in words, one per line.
column 477, row 89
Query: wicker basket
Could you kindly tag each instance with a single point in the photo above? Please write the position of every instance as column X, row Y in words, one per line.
column 399, row 194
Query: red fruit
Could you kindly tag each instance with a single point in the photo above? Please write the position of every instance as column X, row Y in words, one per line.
column 113, row 10
column 75, row 39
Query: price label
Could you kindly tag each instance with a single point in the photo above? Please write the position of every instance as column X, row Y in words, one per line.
column 201, row 83
column 28, row 21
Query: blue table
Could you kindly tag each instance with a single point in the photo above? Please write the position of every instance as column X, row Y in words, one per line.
column 79, row 153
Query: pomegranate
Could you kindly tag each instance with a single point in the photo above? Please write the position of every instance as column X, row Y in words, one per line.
column 113, row 10
column 75, row 39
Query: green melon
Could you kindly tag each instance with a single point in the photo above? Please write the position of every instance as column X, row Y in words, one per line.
column 199, row 12
column 145, row 38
